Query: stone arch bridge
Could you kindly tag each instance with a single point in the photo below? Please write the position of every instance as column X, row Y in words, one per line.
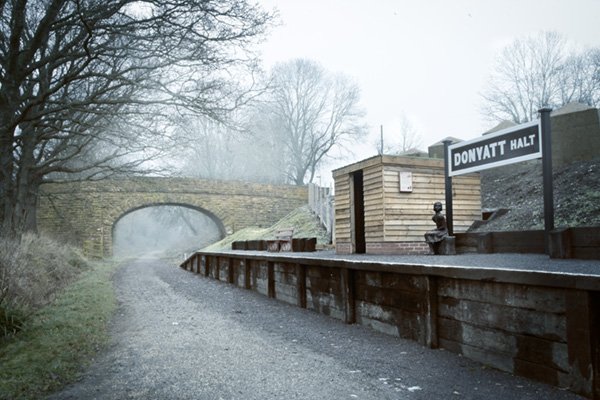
column 85, row 213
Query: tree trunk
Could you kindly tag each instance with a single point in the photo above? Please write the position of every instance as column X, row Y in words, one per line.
column 28, row 184
column 6, row 181
column 9, row 96
column 300, row 173
column 20, row 189
column 30, row 208
column 25, row 213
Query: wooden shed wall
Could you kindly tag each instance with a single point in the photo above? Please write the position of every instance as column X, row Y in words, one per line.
column 342, row 208
column 407, row 216
column 373, row 198
column 393, row 218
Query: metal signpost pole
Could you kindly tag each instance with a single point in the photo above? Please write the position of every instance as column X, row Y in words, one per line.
column 448, row 187
column 547, row 171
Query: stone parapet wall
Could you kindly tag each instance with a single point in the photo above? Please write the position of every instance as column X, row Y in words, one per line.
column 85, row 213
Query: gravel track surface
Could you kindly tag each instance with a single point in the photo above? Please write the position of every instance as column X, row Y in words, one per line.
column 177, row 335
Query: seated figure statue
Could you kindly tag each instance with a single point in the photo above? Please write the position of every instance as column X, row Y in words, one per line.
column 435, row 237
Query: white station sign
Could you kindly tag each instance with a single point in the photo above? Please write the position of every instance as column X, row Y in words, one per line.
column 508, row 146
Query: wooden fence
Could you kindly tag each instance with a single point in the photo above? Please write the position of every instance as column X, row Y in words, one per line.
column 321, row 202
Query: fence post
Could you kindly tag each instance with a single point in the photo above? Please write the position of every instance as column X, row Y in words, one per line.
column 247, row 272
column 230, row 273
column 347, row 288
column 301, row 285
column 270, row 279
column 431, row 328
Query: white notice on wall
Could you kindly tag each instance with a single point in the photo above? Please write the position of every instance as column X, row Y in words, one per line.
column 406, row 185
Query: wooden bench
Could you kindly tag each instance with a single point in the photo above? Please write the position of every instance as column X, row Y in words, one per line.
column 282, row 242
column 447, row 247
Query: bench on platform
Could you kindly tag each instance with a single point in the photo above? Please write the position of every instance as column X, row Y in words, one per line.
column 282, row 241
column 303, row 245
column 447, row 247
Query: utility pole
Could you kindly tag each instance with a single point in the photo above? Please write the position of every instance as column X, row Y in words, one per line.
column 380, row 140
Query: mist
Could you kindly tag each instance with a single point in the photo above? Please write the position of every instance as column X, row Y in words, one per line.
column 163, row 231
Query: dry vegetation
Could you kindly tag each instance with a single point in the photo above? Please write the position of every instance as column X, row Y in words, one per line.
column 32, row 272
column 54, row 308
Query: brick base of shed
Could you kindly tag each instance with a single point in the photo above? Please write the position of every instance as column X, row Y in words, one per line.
column 391, row 248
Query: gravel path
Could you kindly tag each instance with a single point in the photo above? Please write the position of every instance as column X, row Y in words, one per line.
column 180, row 336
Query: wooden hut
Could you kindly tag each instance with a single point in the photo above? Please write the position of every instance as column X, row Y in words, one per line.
column 384, row 204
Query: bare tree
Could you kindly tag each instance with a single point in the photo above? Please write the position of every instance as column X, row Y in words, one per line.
column 207, row 148
column 83, row 83
column 526, row 78
column 403, row 138
column 229, row 149
column 580, row 78
column 409, row 138
column 308, row 112
column 536, row 72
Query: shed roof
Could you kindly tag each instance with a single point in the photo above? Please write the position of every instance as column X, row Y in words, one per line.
column 406, row 161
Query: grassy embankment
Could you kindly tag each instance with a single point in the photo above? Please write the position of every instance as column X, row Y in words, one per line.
column 304, row 222
column 53, row 315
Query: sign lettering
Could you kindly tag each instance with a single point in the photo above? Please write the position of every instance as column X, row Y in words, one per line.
column 519, row 143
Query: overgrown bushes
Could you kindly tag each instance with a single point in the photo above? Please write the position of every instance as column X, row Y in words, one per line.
column 32, row 271
column 54, row 311
column 59, row 340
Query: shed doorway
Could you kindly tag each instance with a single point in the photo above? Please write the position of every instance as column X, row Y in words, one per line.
column 357, row 223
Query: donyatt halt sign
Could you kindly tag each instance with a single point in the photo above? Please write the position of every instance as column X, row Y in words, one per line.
column 519, row 143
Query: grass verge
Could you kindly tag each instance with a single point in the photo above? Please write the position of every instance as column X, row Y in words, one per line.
column 59, row 339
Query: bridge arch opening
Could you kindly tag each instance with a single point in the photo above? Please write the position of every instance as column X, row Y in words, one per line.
column 164, row 229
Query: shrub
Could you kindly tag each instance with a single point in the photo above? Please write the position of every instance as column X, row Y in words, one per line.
column 32, row 271
column 11, row 315
column 60, row 339
column 11, row 319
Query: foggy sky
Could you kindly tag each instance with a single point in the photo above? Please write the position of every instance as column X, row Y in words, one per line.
column 163, row 230
column 429, row 60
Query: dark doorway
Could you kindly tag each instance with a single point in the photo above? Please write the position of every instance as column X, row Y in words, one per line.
column 358, row 215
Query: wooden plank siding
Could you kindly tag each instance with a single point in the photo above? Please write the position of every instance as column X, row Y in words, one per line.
column 392, row 216
column 373, row 197
column 342, row 208
column 408, row 215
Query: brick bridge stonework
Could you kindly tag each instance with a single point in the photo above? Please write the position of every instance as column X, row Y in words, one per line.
column 85, row 213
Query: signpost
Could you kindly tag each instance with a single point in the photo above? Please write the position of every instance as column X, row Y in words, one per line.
column 519, row 143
